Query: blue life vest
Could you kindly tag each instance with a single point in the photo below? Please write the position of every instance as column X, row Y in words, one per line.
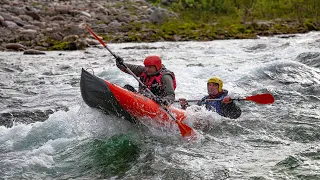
column 213, row 105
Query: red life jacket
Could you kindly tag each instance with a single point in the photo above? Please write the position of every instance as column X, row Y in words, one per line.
column 153, row 82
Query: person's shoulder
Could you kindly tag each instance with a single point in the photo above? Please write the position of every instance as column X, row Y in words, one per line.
column 166, row 76
column 224, row 92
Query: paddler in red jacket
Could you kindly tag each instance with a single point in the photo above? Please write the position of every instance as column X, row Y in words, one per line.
column 155, row 77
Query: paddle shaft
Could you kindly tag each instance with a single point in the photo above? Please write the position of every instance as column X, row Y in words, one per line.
column 197, row 100
column 266, row 98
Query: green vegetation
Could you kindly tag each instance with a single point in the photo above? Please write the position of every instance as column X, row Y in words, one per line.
column 58, row 45
column 247, row 10
column 220, row 19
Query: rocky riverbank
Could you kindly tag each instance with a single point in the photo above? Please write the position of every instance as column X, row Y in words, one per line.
column 54, row 24
column 34, row 26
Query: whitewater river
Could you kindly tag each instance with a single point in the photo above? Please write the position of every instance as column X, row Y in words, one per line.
column 48, row 132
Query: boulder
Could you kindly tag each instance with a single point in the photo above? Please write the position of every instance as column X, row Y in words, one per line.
column 33, row 52
column 14, row 46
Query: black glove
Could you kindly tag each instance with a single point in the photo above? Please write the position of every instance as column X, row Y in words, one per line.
column 119, row 60
column 160, row 101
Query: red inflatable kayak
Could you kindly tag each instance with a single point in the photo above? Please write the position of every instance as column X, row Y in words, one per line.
column 110, row 98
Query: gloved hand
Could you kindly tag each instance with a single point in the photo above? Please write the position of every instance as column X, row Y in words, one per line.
column 119, row 60
column 160, row 101
column 183, row 102
column 227, row 100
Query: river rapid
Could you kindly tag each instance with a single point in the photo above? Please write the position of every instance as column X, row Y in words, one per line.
column 48, row 132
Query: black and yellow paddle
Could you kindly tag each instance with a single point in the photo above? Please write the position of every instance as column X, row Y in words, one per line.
column 258, row 98
column 185, row 130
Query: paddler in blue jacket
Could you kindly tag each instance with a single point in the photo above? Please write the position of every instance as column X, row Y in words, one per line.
column 224, row 106
column 155, row 77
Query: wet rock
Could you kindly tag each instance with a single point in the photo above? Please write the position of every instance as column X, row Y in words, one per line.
column 14, row 46
column 287, row 36
column 33, row 52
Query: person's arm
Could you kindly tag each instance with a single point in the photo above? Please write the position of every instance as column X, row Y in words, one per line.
column 136, row 69
column 167, row 85
column 201, row 102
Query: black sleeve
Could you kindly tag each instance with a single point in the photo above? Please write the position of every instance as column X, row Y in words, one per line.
column 199, row 103
column 136, row 69
column 230, row 110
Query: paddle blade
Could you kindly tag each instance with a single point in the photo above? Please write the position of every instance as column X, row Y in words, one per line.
column 185, row 130
column 261, row 98
column 95, row 36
